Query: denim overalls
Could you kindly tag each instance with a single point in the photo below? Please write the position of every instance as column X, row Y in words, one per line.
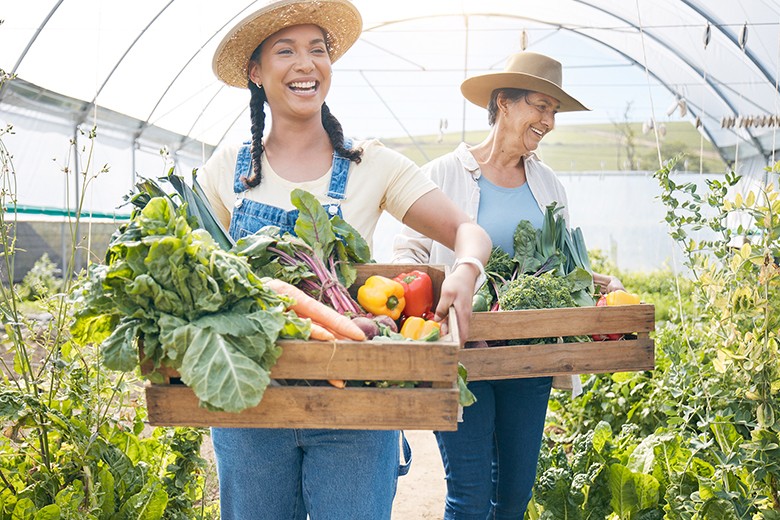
column 249, row 215
column 285, row 474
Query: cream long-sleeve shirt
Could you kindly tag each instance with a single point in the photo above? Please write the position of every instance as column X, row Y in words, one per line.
column 456, row 173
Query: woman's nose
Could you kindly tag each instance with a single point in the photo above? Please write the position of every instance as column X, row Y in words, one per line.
column 304, row 63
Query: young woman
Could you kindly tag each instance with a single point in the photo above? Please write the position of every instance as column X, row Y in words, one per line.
column 283, row 54
column 490, row 461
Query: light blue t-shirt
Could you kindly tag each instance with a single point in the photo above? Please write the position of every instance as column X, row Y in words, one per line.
column 501, row 209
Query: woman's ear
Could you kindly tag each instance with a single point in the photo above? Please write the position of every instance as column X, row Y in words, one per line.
column 502, row 103
column 254, row 73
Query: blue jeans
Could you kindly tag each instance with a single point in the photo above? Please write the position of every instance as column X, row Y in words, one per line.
column 490, row 461
column 285, row 474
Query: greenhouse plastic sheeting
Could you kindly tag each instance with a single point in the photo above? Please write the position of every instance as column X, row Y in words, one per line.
column 141, row 72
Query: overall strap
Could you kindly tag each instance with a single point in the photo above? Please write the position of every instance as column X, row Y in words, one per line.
column 243, row 167
column 339, row 173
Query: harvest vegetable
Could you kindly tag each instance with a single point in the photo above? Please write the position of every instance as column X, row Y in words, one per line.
column 418, row 292
column 552, row 249
column 307, row 307
column 621, row 297
column 545, row 291
column 605, row 337
column 367, row 325
column 421, row 329
column 199, row 309
column 319, row 260
column 382, row 295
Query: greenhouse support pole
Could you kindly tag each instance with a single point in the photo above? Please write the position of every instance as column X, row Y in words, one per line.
column 76, row 170
column 465, row 74
column 133, row 148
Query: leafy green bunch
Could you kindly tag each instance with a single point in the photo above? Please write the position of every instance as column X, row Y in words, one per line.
column 189, row 304
column 319, row 258
column 552, row 250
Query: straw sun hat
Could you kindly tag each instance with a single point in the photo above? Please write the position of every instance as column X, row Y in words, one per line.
column 524, row 70
column 339, row 19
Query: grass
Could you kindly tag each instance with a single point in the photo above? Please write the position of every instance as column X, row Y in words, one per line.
column 597, row 147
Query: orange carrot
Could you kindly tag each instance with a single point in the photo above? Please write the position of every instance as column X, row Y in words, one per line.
column 320, row 333
column 307, row 307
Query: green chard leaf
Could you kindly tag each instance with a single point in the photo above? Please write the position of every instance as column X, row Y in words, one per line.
column 220, row 374
column 313, row 223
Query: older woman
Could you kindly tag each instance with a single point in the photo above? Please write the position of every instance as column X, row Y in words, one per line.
column 283, row 55
column 490, row 461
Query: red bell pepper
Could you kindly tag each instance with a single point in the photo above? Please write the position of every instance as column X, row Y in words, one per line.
column 418, row 292
column 602, row 302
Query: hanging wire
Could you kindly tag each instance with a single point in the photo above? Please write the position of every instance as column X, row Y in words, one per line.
column 743, row 36
column 649, row 89
column 774, row 127
column 706, row 40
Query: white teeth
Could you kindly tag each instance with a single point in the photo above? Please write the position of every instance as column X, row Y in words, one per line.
column 303, row 85
column 538, row 132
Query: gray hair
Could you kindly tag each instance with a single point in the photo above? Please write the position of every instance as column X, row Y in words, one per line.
column 510, row 94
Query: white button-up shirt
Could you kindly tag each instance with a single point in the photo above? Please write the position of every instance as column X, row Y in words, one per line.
column 456, row 173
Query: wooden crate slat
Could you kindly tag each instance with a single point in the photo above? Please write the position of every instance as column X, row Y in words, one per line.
column 521, row 361
column 314, row 407
column 436, row 361
column 561, row 322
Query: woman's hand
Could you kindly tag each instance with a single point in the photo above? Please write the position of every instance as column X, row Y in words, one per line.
column 457, row 291
column 607, row 283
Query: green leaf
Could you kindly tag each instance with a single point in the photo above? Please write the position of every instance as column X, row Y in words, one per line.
column 200, row 210
column 719, row 509
column 726, row 434
column 119, row 350
column 580, row 279
column 646, row 490
column 355, row 245
column 313, row 223
column 465, row 396
column 49, row 512
column 92, row 328
column 221, row 375
column 602, row 434
column 107, row 490
column 24, row 510
column 625, row 501
column 642, row 459
column 147, row 504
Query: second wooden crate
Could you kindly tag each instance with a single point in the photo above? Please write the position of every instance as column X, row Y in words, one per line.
column 636, row 352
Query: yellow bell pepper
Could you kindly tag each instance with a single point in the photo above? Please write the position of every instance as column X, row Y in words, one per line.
column 382, row 295
column 621, row 297
column 421, row 329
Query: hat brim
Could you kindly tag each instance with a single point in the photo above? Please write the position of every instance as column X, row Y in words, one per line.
column 478, row 89
column 340, row 20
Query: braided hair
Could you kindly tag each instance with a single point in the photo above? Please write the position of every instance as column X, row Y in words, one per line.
column 257, row 115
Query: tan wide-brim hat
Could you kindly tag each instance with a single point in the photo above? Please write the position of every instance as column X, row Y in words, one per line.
column 340, row 20
column 524, row 70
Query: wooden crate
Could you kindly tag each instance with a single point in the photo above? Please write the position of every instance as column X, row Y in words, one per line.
column 636, row 352
column 434, row 407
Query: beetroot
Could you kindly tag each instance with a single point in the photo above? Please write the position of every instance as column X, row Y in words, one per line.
column 387, row 321
column 367, row 325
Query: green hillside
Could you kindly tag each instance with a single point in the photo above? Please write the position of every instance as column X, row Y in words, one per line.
column 601, row 147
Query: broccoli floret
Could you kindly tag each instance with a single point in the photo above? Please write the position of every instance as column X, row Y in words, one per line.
column 546, row 291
